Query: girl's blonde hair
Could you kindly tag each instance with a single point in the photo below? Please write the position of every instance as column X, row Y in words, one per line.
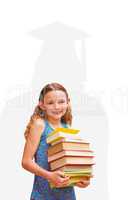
column 39, row 113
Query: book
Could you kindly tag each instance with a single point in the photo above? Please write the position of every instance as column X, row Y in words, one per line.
column 62, row 133
column 78, row 173
column 71, row 160
column 67, row 146
column 69, row 153
column 73, row 180
column 65, row 130
column 73, row 168
column 66, row 139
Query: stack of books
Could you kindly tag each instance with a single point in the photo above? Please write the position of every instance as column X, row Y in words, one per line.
column 71, row 154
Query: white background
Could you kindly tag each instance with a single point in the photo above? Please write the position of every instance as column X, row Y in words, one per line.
column 109, row 64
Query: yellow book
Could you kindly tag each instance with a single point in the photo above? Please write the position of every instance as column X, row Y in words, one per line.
column 62, row 133
column 65, row 130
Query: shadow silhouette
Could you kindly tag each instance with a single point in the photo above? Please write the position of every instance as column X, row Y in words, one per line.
column 59, row 61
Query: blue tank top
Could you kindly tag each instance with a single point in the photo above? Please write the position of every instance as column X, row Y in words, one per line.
column 41, row 189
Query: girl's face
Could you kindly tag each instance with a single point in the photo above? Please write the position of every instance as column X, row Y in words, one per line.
column 55, row 104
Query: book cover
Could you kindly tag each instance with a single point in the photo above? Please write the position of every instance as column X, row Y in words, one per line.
column 73, row 168
column 64, row 130
column 69, row 153
column 71, row 160
column 59, row 135
column 66, row 139
column 68, row 146
column 74, row 180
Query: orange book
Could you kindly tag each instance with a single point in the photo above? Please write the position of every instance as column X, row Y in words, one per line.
column 69, row 153
column 79, row 146
column 70, row 160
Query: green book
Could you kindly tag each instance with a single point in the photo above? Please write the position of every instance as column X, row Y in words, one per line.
column 74, row 174
column 73, row 180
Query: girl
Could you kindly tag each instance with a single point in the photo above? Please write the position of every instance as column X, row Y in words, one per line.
column 53, row 110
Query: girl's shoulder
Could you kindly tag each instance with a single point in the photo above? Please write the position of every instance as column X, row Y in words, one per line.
column 39, row 123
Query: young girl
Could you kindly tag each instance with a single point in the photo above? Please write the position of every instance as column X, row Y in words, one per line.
column 53, row 110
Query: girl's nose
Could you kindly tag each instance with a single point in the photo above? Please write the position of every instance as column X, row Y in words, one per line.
column 56, row 105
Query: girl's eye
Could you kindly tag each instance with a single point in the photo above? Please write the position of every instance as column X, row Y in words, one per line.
column 50, row 103
column 62, row 101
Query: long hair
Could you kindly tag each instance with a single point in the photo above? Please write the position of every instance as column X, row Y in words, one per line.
column 39, row 113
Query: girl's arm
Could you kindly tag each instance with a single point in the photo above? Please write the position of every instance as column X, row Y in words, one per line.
column 30, row 148
column 31, row 145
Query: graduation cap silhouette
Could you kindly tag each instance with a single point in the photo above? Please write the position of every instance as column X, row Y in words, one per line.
column 58, row 55
column 59, row 30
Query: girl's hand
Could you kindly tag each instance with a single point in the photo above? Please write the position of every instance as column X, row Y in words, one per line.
column 58, row 179
column 83, row 183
